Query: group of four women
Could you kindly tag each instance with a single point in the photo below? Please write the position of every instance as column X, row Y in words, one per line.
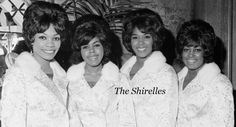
column 94, row 92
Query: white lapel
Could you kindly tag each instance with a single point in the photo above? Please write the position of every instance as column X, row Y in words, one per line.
column 109, row 78
column 32, row 69
column 153, row 64
column 110, row 73
column 205, row 75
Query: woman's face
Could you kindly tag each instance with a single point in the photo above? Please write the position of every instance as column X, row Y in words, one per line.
column 141, row 44
column 46, row 44
column 192, row 57
column 93, row 52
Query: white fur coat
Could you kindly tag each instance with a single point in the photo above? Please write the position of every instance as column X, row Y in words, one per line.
column 156, row 103
column 30, row 98
column 207, row 101
column 99, row 106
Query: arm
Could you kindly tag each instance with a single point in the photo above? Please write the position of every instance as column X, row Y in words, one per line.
column 126, row 106
column 14, row 108
column 164, row 106
column 73, row 112
column 223, row 104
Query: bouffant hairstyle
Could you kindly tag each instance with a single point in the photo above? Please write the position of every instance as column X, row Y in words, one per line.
column 146, row 24
column 83, row 34
column 197, row 32
column 116, row 49
column 39, row 16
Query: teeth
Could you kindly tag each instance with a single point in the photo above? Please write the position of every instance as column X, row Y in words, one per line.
column 49, row 51
column 141, row 49
column 191, row 61
column 93, row 57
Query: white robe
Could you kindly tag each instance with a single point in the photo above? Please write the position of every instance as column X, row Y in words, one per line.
column 207, row 101
column 30, row 98
column 154, row 109
column 99, row 106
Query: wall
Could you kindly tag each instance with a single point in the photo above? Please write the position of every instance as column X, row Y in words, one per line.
column 173, row 12
column 221, row 15
column 233, row 26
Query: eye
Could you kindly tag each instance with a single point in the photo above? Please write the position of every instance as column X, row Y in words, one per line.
column 42, row 37
column 134, row 37
column 186, row 49
column 148, row 36
column 84, row 47
column 57, row 38
column 97, row 45
column 198, row 50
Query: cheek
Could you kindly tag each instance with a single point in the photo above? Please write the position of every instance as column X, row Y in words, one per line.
column 58, row 44
column 133, row 44
column 83, row 53
column 100, row 51
column 36, row 46
column 150, row 44
column 184, row 55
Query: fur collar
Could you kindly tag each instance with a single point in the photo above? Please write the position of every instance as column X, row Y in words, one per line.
column 154, row 63
column 109, row 72
column 206, row 74
column 28, row 64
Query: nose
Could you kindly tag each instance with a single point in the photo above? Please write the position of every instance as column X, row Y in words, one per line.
column 50, row 43
column 191, row 53
column 140, row 40
column 91, row 49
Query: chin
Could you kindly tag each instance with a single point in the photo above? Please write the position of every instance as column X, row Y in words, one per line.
column 49, row 58
column 93, row 64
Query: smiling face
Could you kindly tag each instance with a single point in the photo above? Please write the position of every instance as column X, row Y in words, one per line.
column 93, row 52
column 46, row 44
column 192, row 57
column 141, row 44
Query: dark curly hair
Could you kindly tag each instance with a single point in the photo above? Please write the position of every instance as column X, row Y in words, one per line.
column 83, row 34
column 39, row 16
column 116, row 49
column 146, row 24
column 197, row 32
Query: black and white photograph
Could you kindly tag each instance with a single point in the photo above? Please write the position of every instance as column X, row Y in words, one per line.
column 117, row 63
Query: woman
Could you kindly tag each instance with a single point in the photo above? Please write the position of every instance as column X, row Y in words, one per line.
column 153, row 81
column 35, row 88
column 94, row 80
column 205, row 95
column 116, row 50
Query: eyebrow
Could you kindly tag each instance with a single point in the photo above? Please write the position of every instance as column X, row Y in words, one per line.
column 53, row 34
column 95, row 42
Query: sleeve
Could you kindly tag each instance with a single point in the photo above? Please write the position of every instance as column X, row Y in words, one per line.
column 164, row 106
column 223, row 104
column 14, row 107
column 126, row 106
column 73, row 112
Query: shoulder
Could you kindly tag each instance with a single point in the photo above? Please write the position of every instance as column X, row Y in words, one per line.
column 222, row 83
column 75, row 71
column 166, row 71
column 110, row 72
column 57, row 69
column 13, row 79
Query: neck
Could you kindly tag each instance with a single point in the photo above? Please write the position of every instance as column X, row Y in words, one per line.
column 93, row 69
column 192, row 72
column 45, row 65
column 141, row 60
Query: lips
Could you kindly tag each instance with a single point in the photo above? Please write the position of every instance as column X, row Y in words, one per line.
column 49, row 51
column 141, row 49
column 191, row 61
column 95, row 57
